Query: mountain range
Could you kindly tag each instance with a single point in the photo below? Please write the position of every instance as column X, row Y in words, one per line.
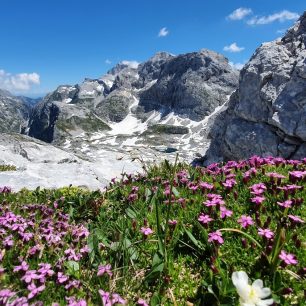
column 194, row 104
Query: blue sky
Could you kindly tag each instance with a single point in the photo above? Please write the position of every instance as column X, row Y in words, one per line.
column 48, row 43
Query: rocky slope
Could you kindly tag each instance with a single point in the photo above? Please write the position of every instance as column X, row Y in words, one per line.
column 103, row 127
column 14, row 113
column 162, row 103
column 267, row 113
column 44, row 165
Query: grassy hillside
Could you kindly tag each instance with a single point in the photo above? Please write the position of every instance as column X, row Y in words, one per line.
column 173, row 236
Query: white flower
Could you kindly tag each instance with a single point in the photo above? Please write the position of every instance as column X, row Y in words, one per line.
column 251, row 295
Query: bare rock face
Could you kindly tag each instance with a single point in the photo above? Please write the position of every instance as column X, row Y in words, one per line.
column 14, row 113
column 267, row 113
column 67, row 111
column 191, row 86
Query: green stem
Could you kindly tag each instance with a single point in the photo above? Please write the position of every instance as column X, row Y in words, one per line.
column 242, row 233
column 168, row 210
column 276, row 249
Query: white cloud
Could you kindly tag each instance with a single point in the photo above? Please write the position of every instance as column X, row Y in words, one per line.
column 132, row 64
column 237, row 66
column 108, row 62
column 280, row 17
column 239, row 13
column 163, row 32
column 233, row 48
column 21, row 82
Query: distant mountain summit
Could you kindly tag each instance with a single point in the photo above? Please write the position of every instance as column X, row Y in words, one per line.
column 189, row 86
column 192, row 103
column 14, row 113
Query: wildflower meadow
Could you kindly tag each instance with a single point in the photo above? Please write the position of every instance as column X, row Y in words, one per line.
column 226, row 234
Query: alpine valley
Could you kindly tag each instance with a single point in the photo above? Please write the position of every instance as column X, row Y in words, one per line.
column 195, row 105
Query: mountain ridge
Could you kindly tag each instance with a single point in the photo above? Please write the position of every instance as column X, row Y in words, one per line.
column 266, row 115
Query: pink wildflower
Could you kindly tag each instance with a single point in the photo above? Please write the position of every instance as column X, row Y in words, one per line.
column 206, row 186
column 267, row 233
column 204, row 219
column 172, row 222
column 142, row 302
column 295, row 219
column 5, row 295
column 225, row 212
column 146, row 231
column 245, row 221
column 105, row 269
column 61, row 277
column 258, row 189
column 23, row 267
column 229, row 183
column 215, row 236
column 111, row 299
column 35, row 290
column 30, row 276
column 258, row 200
column 289, row 259
column 285, row 204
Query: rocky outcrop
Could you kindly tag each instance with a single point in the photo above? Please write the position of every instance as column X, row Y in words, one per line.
column 40, row 164
column 68, row 111
column 191, row 86
column 267, row 113
column 14, row 113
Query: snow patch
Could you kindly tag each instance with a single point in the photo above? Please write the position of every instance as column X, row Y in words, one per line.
column 129, row 125
column 67, row 100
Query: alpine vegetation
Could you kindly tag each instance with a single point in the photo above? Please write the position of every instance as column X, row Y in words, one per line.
column 175, row 235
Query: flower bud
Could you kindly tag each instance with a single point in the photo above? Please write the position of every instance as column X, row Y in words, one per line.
column 244, row 243
column 235, row 195
column 286, row 291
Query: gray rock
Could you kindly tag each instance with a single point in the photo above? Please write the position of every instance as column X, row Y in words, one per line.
column 47, row 166
column 115, row 107
column 68, row 111
column 151, row 69
column 14, row 113
column 271, row 100
column 192, row 85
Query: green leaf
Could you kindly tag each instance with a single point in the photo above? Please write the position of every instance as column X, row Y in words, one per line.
column 167, row 164
column 156, row 259
column 157, row 268
column 148, row 195
column 242, row 233
column 155, row 300
column 175, row 192
column 277, row 280
column 73, row 268
column 193, row 239
column 93, row 245
column 131, row 213
column 71, row 210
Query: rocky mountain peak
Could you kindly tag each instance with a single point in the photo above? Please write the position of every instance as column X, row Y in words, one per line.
column 5, row 93
column 132, row 97
column 266, row 115
column 297, row 32
column 160, row 56
column 191, row 84
column 14, row 112
column 121, row 66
